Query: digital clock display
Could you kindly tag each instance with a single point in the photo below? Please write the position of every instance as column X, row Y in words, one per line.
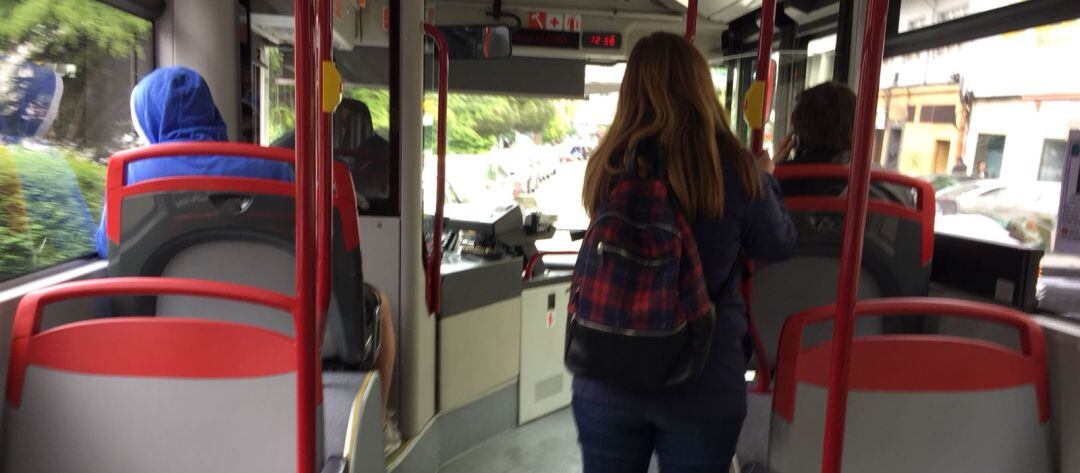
column 602, row 40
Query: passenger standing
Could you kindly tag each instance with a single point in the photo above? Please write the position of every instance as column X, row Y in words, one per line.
column 733, row 203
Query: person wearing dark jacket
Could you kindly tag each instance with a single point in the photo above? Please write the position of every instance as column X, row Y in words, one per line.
column 733, row 203
column 822, row 123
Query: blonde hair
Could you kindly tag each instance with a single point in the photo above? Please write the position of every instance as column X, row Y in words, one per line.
column 667, row 92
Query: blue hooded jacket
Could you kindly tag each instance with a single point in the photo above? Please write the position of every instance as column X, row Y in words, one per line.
column 175, row 104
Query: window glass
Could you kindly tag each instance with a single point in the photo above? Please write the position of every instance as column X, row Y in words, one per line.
column 999, row 130
column 1053, row 160
column 66, row 72
column 527, row 150
column 362, row 122
column 915, row 14
column 820, row 60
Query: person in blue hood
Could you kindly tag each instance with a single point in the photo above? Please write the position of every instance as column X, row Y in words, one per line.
column 175, row 104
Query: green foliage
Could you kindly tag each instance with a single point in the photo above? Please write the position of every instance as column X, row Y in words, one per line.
column 475, row 122
column 16, row 256
column 281, row 118
column 50, row 199
column 91, row 178
column 58, row 29
column 378, row 102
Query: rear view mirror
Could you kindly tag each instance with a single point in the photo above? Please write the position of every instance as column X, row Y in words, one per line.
column 477, row 42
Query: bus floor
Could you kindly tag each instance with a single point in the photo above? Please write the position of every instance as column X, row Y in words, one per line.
column 549, row 445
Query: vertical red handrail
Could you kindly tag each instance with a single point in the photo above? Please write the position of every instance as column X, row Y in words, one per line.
column 324, row 158
column 761, row 73
column 304, row 310
column 854, row 222
column 434, row 263
column 691, row 20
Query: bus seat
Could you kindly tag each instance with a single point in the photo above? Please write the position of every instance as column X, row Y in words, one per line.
column 917, row 402
column 237, row 230
column 353, row 427
column 149, row 393
column 897, row 252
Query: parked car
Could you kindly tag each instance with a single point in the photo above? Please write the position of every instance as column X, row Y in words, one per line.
column 948, row 197
column 944, row 181
column 1027, row 211
column 979, row 227
column 1013, row 199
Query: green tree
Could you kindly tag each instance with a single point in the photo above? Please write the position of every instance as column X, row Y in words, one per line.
column 63, row 30
column 378, row 102
column 79, row 36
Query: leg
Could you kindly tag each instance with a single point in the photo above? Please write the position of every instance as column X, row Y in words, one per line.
column 613, row 440
column 697, row 445
column 384, row 360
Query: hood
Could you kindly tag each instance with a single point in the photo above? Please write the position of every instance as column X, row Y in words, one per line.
column 175, row 104
column 29, row 98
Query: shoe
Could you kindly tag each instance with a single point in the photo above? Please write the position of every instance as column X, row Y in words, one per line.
column 391, row 436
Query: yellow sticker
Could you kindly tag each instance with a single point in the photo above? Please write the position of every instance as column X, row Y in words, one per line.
column 754, row 105
column 331, row 87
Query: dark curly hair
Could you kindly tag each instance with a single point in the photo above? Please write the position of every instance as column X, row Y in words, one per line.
column 823, row 118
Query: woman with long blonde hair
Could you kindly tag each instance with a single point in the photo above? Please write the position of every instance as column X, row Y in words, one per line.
column 733, row 204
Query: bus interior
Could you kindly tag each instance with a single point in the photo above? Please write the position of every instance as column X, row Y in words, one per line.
column 439, row 149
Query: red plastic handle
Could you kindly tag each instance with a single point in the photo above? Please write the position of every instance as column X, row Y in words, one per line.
column 434, row 262
column 925, row 203
column 530, row 265
column 1032, row 345
column 28, row 315
column 691, row 20
column 764, row 70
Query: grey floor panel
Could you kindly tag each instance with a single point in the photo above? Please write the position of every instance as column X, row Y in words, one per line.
column 547, row 445
column 754, row 442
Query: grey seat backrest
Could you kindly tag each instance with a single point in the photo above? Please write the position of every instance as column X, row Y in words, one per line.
column 806, row 281
column 245, row 238
column 231, row 261
column 917, row 402
column 901, row 432
column 127, row 394
column 891, row 267
column 72, row 423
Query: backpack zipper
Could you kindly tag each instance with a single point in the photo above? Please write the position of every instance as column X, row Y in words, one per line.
column 639, row 226
column 602, row 248
column 628, row 331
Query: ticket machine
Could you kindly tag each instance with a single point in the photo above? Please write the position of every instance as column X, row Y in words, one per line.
column 1067, row 239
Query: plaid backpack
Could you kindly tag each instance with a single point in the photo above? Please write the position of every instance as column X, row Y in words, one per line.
column 640, row 315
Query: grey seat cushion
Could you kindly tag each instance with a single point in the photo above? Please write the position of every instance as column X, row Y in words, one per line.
column 339, row 392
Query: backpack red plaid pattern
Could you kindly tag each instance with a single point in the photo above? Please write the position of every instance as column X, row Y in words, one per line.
column 640, row 310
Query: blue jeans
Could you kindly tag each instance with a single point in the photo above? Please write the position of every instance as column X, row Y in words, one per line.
column 616, row 439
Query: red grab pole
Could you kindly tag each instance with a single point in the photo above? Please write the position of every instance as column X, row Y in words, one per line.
column 304, row 310
column 854, row 223
column 434, row 263
column 761, row 73
column 691, row 20
column 324, row 159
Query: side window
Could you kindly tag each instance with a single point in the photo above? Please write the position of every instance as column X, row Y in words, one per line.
column 959, row 117
column 66, row 73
